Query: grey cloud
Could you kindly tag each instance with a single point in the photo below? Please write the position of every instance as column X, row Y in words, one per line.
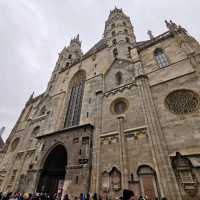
column 33, row 32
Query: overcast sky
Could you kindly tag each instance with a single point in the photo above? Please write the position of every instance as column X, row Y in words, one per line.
column 33, row 32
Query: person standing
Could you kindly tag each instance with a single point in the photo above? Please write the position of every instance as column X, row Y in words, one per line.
column 128, row 195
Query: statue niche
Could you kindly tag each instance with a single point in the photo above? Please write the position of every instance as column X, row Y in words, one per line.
column 111, row 180
column 115, row 176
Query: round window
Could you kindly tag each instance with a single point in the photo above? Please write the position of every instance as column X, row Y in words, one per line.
column 119, row 106
column 182, row 101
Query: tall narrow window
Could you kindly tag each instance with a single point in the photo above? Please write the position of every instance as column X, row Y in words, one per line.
column 118, row 77
column 161, row 58
column 129, row 52
column 76, row 90
column 114, row 42
column 127, row 40
column 115, row 53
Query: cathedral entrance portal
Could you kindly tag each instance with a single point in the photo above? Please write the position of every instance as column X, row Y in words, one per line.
column 53, row 173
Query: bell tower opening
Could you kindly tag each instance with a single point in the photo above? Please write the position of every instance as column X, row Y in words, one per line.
column 53, row 173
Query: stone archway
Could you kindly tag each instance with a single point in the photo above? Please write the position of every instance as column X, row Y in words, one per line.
column 53, row 172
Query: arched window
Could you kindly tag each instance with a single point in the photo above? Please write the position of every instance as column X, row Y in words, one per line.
column 115, row 177
column 148, row 182
column 114, row 42
column 76, row 90
column 36, row 130
column 129, row 52
column 161, row 58
column 127, row 39
column 118, row 77
column 113, row 33
column 70, row 56
column 115, row 52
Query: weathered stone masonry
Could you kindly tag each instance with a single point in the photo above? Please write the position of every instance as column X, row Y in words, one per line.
column 123, row 115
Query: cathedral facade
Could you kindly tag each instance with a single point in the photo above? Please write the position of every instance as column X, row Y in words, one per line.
column 124, row 115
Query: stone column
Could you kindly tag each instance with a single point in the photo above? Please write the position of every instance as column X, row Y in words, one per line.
column 95, row 185
column 123, row 155
column 166, row 178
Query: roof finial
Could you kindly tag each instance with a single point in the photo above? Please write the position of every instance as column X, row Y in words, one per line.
column 171, row 25
column 149, row 32
column 2, row 130
column 30, row 98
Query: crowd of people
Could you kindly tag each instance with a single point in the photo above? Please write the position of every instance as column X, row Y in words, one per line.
column 127, row 195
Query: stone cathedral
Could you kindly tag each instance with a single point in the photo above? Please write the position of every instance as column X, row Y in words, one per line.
column 124, row 115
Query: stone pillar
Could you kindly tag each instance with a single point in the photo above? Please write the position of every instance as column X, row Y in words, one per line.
column 123, row 155
column 95, row 185
column 166, row 178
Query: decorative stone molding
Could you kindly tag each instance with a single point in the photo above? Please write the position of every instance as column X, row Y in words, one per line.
column 120, row 89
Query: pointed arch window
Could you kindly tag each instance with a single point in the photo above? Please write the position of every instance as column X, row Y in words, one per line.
column 148, row 182
column 115, row 52
column 161, row 58
column 76, row 90
column 118, row 77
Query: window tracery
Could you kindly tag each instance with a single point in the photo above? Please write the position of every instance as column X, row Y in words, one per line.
column 184, row 173
column 161, row 58
column 182, row 101
column 76, row 90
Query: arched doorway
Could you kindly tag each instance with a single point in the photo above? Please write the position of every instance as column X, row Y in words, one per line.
column 53, row 173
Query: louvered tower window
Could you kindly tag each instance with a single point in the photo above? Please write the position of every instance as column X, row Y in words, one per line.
column 76, row 90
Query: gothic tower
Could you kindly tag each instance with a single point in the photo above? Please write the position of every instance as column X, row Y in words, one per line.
column 119, row 34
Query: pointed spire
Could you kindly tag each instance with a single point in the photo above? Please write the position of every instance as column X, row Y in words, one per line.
column 30, row 98
column 149, row 32
column 171, row 25
column 76, row 39
column 2, row 130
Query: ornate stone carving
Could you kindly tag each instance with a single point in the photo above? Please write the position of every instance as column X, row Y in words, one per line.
column 182, row 101
column 184, row 174
column 115, row 179
column 111, row 180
